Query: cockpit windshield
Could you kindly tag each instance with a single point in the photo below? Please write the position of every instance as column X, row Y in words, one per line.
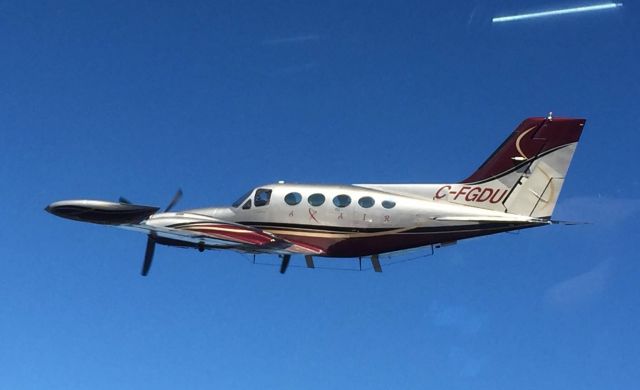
column 241, row 199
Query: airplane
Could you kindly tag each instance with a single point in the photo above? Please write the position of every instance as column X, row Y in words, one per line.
column 517, row 187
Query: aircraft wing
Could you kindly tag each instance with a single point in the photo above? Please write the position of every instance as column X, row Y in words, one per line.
column 179, row 229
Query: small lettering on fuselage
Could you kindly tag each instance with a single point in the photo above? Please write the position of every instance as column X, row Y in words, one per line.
column 312, row 214
column 472, row 194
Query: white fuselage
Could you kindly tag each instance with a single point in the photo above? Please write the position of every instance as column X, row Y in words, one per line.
column 375, row 219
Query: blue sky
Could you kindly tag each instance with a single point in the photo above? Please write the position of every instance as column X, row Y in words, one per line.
column 136, row 99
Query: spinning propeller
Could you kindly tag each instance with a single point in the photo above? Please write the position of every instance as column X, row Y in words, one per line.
column 151, row 238
column 174, row 200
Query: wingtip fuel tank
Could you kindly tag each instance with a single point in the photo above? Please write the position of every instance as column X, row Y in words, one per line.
column 101, row 212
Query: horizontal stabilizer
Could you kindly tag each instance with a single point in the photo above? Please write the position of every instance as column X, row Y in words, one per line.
column 506, row 219
column 569, row 223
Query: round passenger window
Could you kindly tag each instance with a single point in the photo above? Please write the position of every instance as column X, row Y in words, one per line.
column 316, row 199
column 342, row 200
column 388, row 204
column 366, row 202
column 293, row 198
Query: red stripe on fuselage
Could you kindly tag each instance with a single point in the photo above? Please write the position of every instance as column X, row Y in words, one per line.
column 231, row 233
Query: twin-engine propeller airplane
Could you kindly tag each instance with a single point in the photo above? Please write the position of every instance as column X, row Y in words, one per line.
column 515, row 188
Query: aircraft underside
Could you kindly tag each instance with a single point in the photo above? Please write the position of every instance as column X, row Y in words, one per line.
column 359, row 244
column 341, row 244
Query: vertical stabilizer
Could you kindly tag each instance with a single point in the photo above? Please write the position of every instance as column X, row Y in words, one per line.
column 525, row 174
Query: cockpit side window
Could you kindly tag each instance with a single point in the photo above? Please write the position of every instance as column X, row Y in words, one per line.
column 262, row 197
column 241, row 199
column 247, row 205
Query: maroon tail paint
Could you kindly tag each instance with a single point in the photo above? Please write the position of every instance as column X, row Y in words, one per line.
column 531, row 138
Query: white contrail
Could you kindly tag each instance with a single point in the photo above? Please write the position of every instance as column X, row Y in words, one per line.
column 596, row 7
